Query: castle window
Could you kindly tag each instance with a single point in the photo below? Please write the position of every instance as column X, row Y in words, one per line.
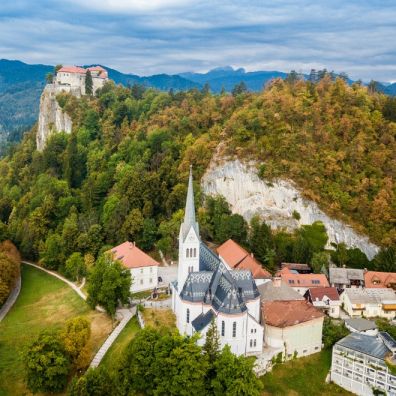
column 222, row 328
column 188, row 253
column 234, row 329
column 188, row 316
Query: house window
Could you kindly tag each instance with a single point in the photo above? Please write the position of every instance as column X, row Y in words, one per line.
column 151, row 269
column 234, row 329
column 141, row 281
column 188, row 316
column 188, row 253
column 222, row 328
column 291, row 281
column 141, row 270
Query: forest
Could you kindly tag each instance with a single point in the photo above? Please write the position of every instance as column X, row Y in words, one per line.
column 122, row 172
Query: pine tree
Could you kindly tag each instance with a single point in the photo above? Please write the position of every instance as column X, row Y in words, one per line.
column 88, row 83
column 212, row 342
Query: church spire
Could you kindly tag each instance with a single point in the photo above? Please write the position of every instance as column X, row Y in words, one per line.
column 189, row 214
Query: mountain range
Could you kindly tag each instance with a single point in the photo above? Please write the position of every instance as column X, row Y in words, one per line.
column 21, row 85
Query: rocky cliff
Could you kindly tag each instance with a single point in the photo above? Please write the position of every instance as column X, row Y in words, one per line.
column 51, row 117
column 275, row 202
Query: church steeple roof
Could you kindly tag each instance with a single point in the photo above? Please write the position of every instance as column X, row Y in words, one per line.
column 189, row 213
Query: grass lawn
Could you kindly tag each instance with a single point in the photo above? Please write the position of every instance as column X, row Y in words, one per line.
column 115, row 352
column 159, row 317
column 303, row 376
column 44, row 303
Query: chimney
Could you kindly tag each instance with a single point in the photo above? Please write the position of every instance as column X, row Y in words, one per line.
column 276, row 281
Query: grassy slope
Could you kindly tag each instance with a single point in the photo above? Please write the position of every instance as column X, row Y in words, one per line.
column 303, row 376
column 44, row 303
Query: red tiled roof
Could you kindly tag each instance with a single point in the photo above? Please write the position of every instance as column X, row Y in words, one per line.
column 375, row 279
column 302, row 280
column 288, row 313
column 296, row 266
column 100, row 69
column 320, row 292
column 238, row 258
column 72, row 69
column 131, row 256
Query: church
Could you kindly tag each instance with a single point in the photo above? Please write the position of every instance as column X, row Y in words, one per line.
column 208, row 289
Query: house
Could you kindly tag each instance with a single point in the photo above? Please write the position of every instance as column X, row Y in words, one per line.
column 72, row 78
column 342, row 278
column 369, row 303
column 300, row 268
column 208, row 290
column 325, row 298
column 236, row 257
column 302, row 282
column 375, row 279
column 143, row 268
column 276, row 290
column 361, row 325
column 360, row 364
column 295, row 326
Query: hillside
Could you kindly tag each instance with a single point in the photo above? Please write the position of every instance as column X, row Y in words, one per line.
column 122, row 172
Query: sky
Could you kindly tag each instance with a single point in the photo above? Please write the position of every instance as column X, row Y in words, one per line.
column 147, row 37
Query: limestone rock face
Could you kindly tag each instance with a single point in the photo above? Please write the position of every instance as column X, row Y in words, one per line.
column 275, row 203
column 51, row 117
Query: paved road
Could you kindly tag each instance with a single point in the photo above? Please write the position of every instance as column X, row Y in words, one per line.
column 11, row 299
column 127, row 314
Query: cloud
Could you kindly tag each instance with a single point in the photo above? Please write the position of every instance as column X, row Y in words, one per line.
column 171, row 36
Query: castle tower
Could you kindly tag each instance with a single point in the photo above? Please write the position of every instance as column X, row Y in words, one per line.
column 189, row 239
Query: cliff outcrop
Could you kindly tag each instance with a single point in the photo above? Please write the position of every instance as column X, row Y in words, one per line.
column 51, row 116
column 275, row 203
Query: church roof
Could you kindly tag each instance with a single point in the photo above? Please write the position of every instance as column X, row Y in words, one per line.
column 201, row 321
column 189, row 213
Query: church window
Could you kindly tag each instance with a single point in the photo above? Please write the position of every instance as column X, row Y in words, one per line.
column 251, row 343
column 222, row 328
column 188, row 253
column 255, row 343
column 188, row 316
column 234, row 329
column 195, row 252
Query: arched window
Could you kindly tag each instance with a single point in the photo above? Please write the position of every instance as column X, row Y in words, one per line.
column 188, row 253
column 255, row 344
column 195, row 252
column 251, row 343
column 222, row 328
column 188, row 316
column 234, row 329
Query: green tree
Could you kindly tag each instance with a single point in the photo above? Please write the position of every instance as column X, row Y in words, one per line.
column 75, row 267
column 52, row 256
column 385, row 260
column 47, row 365
column 95, row 382
column 332, row 332
column 212, row 342
column 239, row 89
column 319, row 261
column 88, row 83
column 109, row 284
column 49, row 78
column 234, row 375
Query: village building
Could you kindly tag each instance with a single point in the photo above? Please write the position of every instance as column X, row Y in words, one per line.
column 302, row 282
column 72, row 79
column 360, row 364
column 143, row 268
column 276, row 290
column 375, row 279
column 295, row 326
column 369, row 303
column 326, row 299
column 208, row 290
column 236, row 257
column 361, row 325
column 343, row 278
column 300, row 268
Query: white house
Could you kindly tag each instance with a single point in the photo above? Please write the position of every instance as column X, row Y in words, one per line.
column 73, row 77
column 295, row 326
column 360, row 364
column 369, row 302
column 207, row 290
column 325, row 298
column 144, row 269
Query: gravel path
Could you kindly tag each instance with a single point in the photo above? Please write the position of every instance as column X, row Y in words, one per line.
column 11, row 299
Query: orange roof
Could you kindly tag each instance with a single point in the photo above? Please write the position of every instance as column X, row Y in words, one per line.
column 131, row 256
column 237, row 257
column 375, row 279
column 72, row 69
column 100, row 69
column 302, row 280
column 288, row 313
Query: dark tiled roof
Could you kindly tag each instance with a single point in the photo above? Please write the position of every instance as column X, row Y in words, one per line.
column 361, row 324
column 201, row 321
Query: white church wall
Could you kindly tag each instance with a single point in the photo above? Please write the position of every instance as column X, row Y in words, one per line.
column 253, row 307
